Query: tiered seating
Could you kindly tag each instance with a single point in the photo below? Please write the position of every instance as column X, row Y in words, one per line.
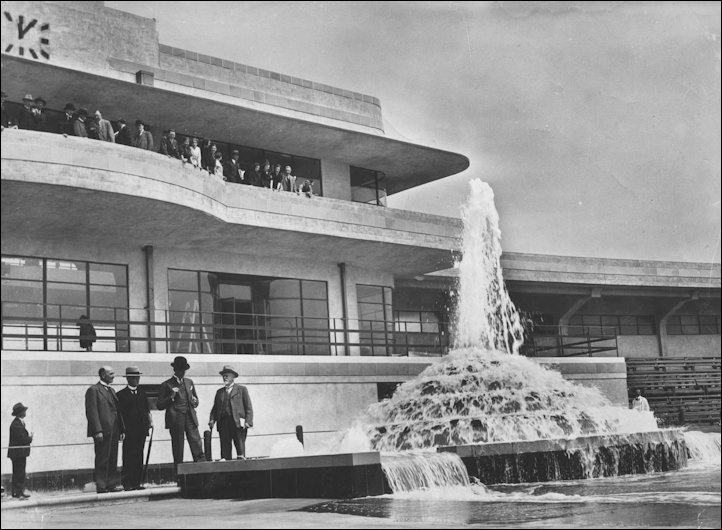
column 679, row 389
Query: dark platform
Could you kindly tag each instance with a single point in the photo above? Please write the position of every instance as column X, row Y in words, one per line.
column 578, row 458
column 319, row 476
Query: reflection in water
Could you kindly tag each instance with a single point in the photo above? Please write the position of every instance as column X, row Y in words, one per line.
column 683, row 498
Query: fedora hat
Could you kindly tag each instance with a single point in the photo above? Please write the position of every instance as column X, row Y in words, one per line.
column 132, row 371
column 69, row 106
column 28, row 97
column 228, row 369
column 19, row 408
column 39, row 100
column 180, row 363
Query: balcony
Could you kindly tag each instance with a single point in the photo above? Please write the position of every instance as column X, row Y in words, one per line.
column 84, row 192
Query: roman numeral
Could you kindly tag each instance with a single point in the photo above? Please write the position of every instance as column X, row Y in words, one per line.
column 23, row 30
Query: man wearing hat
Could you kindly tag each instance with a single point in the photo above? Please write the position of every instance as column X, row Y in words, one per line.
column 122, row 135
column 4, row 119
column 177, row 396
column 26, row 117
column 232, row 170
column 105, row 426
column 79, row 128
column 233, row 412
column 143, row 139
column 19, row 450
column 134, row 409
column 39, row 115
column 65, row 125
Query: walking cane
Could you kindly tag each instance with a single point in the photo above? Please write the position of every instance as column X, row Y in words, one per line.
column 147, row 456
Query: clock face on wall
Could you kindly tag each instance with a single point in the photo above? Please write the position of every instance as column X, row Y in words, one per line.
column 28, row 38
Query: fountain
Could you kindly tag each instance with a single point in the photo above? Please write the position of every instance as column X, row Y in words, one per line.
column 481, row 415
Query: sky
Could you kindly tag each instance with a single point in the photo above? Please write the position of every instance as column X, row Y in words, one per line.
column 597, row 124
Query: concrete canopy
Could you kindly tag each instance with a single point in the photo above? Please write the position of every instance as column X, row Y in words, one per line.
column 406, row 165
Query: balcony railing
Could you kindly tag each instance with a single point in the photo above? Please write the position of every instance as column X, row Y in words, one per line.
column 571, row 341
column 54, row 327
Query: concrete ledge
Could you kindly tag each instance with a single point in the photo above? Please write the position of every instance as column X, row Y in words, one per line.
column 296, row 462
column 93, row 498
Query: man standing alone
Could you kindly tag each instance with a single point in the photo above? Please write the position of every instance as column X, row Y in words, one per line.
column 105, row 426
column 233, row 412
column 177, row 396
column 640, row 403
column 19, row 450
column 137, row 420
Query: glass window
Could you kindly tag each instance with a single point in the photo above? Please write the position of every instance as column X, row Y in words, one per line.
column 369, row 294
column 66, row 271
column 186, row 280
column 429, row 322
column 368, row 186
column 22, row 268
column 690, row 324
column 108, row 296
column 104, row 274
column 674, row 326
column 284, row 289
column 314, row 289
column 408, row 322
column 708, row 324
column 22, row 291
column 67, row 294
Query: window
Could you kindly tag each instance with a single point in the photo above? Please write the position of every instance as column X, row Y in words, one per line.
column 368, row 186
column 694, row 325
column 374, row 319
column 43, row 298
column 243, row 314
column 612, row 325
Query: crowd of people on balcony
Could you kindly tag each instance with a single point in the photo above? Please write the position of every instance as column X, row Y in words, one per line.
column 203, row 155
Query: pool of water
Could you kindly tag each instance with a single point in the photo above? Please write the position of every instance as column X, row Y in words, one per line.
column 688, row 498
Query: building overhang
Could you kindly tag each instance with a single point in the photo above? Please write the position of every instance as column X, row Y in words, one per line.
column 207, row 114
column 85, row 192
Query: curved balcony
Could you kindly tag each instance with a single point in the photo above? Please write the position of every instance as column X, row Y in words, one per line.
column 86, row 191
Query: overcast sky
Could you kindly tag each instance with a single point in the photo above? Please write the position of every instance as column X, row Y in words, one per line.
column 597, row 124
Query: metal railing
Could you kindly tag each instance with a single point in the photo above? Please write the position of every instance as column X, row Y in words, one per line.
column 571, row 341
column 32, row 326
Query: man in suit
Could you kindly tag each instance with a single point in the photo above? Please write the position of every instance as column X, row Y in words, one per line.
column 143, row 139
column 79, row 128
column 232, row 170
column 105, row 426
column 65, row 126
column 41, row 119
column 233, row 412
column 105, row 129
column 19, row 450
column 123, row 136
column 134, row 410
column 26, row 116
column 169, row 145
column 177, row 396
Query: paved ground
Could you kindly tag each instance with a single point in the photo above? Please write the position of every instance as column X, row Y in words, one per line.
column 180, row 513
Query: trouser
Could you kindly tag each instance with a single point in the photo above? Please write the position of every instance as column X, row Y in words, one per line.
column 18, row 476
column 106, row 461
column 183, row 424
column 228, row 431
column 133, row 459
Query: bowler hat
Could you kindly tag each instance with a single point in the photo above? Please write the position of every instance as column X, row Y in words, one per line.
column 228, row 369
column 132, row 371
column 19, row 408
column 180, row 363
column 41, row 100
column 235, row 152
column 139, row 122
column 28, row 97
column 69, row 106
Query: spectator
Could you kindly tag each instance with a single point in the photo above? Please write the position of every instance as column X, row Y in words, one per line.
column 640, row 403
column 105, row 129
column 185, row 149
column 143, row 139
column 123, row 136
column 79, row 123
column 67, row 122
column 91, row 127
column 208, row 155
column 231, row 169
column 218, row 169
column 39, row 115
column 86, row 334
column 288, row 183
column 266, row 173
column 276, row 177
column 169, row 145
column 19, row 450
column 4, row 121
column 255, row 177
column 26, row 117
column 307, row 188
column 194, row 154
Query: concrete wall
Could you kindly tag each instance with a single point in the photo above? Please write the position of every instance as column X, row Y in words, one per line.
column 325, row 395
column 693, row 345
column 638, row 345
column 336, row 179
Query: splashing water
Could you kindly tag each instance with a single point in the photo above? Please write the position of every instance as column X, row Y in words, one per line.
column 703, row 448
column 485, row 315
column 424, row 471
